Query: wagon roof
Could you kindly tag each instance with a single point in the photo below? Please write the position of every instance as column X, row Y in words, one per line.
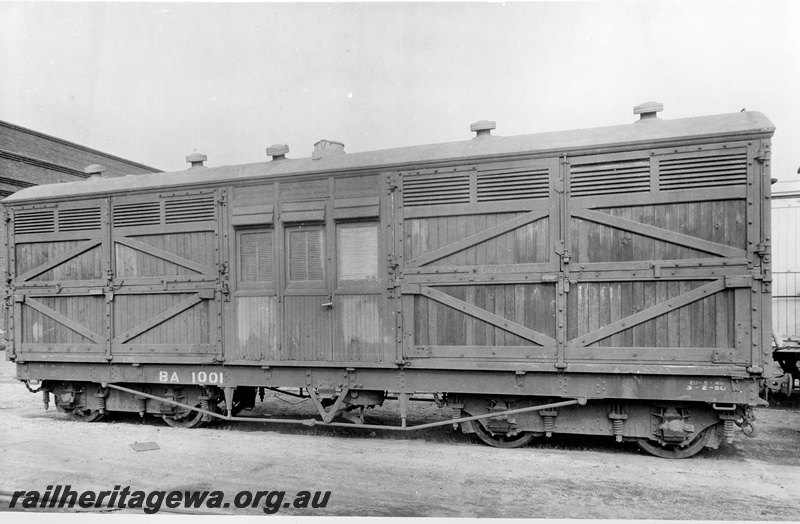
column 786, row 189
column 644, row 134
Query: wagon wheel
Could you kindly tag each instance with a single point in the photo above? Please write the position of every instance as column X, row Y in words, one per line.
column 86, row 415
column 500, row 440
column 189, row 419
column 675, row 451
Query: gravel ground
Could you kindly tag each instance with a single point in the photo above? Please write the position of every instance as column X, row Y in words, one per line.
column 432, row 473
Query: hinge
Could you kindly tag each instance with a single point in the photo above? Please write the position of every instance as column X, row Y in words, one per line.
column 763, row 153
column 222, row 282
column 393, row 282
column 761, row 273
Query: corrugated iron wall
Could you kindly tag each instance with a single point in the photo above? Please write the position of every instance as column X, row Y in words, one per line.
column 785, row 266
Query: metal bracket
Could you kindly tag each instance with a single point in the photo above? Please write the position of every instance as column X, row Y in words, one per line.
column 656, row 270
column 418, row 351
column 732, row 281
column 206, row 294
column 328, row 415
column 351, row 377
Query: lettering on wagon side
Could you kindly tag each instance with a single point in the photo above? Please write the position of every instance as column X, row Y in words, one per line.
column 197, row 377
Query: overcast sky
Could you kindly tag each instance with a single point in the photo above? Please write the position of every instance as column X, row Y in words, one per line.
column 154, row 82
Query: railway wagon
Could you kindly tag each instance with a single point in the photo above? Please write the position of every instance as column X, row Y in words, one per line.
column 786, row 292
column 611, row 281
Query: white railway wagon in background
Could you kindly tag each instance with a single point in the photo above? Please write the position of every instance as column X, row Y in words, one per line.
column 786, row 278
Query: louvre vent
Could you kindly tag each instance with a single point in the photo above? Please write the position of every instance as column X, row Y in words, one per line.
column 87, row 219
column 137, row 214
column 699, row 172
column 429, row 190
column 513, row 184
column 610, row 178
column 256, row 257
column 189, row 210
column 305, row 256
column 32, row 222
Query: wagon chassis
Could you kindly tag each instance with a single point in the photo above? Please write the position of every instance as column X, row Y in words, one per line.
column 498, row 418
column 329, row 414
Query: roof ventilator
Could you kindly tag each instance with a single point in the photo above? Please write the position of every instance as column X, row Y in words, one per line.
column 278, row 151
column 196, row 159
column 483, row 128
column 326, row 148
column 95, row 171
column 648, row 111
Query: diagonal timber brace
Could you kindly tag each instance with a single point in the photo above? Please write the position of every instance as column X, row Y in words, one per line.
column 650, row 313
column 488, row 317
column 483, row 236
column 658, row 233
column 61, row 259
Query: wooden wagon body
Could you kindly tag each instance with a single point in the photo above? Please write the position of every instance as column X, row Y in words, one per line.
column 619, row 264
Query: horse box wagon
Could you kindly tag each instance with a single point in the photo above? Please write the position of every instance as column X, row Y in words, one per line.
column 611, row 281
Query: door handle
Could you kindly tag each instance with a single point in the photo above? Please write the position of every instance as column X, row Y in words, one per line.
column 328, row 304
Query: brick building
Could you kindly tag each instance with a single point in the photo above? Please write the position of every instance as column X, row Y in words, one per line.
column 29, row 158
